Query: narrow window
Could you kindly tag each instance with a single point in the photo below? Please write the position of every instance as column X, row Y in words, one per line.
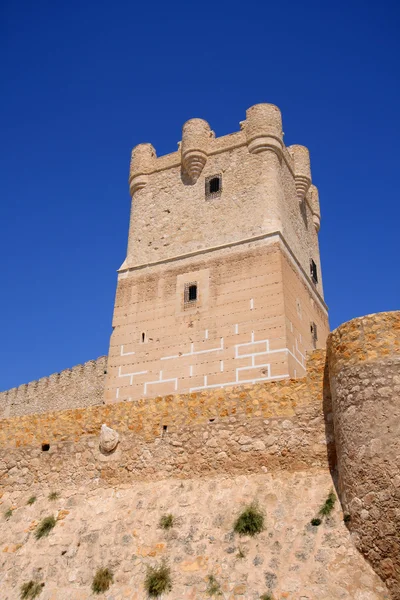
column 313, row 271
column 143, row 337
column 190, row 293
column 213, row 186
column 314, row 334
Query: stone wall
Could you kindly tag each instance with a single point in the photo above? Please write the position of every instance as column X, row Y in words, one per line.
column 364, row 369
column 118, row 527
column 201, row 457
column 81, row 386
column 272, row 426
column 250, row 323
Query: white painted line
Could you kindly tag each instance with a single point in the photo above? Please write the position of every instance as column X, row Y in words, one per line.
column 235, row 383
column 206, row 334
column 125, row 353
column 236, row 328
column 191, row 370
column 221, row 366
column 131, row 375
column 175, row 379
column 193, row 352
column 251, row 304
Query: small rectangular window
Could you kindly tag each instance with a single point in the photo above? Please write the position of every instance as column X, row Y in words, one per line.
column 190, row 293
column 313, row 271
column 213, row 186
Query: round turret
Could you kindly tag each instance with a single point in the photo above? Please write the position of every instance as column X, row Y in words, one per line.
column 263, row 128
column 316, row 212
column 196, row 134
column 302, row 169
column 142, row 160
column 364, row 372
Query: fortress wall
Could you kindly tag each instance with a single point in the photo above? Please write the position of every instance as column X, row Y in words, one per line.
column 80, row 386
column 364, row 369
column 249, row 429
column 270, row 443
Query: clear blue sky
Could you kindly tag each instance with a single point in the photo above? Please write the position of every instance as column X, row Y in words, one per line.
column 83, row 82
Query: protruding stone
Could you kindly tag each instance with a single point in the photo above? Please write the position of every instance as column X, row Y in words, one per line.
column 263, row 128
column 302, row 169
column 108, row 439
column 196, row 134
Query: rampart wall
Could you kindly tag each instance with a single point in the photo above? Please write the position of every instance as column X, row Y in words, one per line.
column 278, row 425
column 80, row 386
column 364, row 370
column 203, row 456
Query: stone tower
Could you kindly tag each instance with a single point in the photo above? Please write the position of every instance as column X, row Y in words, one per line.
column 222, row 284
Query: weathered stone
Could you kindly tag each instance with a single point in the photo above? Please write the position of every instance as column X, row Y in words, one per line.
column 109, row 439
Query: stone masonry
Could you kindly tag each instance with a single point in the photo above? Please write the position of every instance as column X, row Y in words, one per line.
column 236, row 218
column 83, row 385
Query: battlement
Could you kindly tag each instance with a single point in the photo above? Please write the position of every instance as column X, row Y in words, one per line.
column 81, row 385
column 260, row 132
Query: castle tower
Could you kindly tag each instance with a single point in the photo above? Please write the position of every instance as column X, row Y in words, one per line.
column 221, row 285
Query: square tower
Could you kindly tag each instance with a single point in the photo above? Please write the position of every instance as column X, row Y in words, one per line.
column 222, row 283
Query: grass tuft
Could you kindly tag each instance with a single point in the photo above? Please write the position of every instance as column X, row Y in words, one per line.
column 266, row 597
column 158, row 580
column 250, row 521
column 102, row 580
column 316, row 522
column 44, row 527
column 213, row 589
column 328, row 505
column 32, row 500
column 31, row 589
column 167, row 521
column 241, row 553
column 53, row 495
column 8, row 514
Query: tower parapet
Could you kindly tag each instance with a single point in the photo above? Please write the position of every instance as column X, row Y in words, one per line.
column 142, row 160
column 315, row 209
column 302, row 169
column 263, row 128
column 196, row 134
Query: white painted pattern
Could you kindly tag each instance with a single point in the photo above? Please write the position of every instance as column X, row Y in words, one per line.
column 161, row 380
column 266, row 366
column 131, row 375
column 193, row 352
column 125, row 353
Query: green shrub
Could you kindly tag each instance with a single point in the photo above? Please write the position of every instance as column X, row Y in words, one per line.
column 158, row 580
column 213, row 589
column 347, row 518
column 328, row 505
column 250, row 521
column 53, row 495
column 44, row 527
column 8, row 514
column 31, row 589
column 102, row 580
column 316, row 522
column 167, row 521
column 266, row 597
column 31, row 500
